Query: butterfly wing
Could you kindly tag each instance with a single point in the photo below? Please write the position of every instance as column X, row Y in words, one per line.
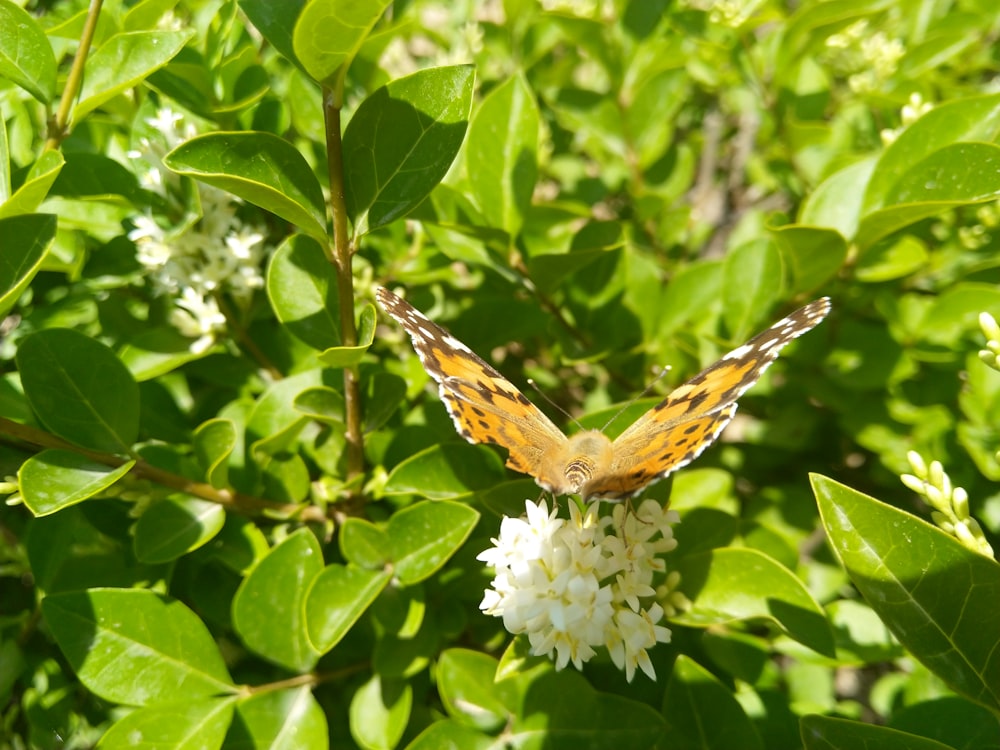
column 485, row 406
column 679, row 428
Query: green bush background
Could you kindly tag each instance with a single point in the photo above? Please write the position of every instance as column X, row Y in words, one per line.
column 271, row 541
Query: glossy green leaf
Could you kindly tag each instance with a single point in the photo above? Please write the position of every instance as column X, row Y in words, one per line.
column 831, row 733
column 364, row 544
column 176, row 526
column 136, row 647
column 733, row 584
column 450, row 733
column 445, row 471
column 193, row 725
column 123, row 61
column 500, row 155
column 157, row 351
column 348, row 356
column 329, row 33
column 338, row 597
column 323, row 404
column 402, row 141
column 565, row 708
column 956, row 311
column 79, row 389
column 704, row 713
column 812, row 256
column 423, row 536
column 261, row 168
column 383, row 393
column 302, row 289
column 269, row 610
column 26, row 57
column 971, row 119
column 940, row 603
column 35, row 188
column 275, row 422
column 280, row 720
column 836, row 202
column 469, row 692
column 751, row 280
column 951, row 176
column 891, row 260
column 275, row 20
column 213, row 443
column 55, row 479
column 24, row 240
column 380, row 711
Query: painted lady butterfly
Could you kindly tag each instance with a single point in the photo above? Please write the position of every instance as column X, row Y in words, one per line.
column 486, row 408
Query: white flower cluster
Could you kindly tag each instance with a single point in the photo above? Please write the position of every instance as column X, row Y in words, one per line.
column 194, row 263
column 867, row 59
column 576, row 584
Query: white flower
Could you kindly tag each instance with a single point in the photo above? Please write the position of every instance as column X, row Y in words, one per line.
column 573, row 585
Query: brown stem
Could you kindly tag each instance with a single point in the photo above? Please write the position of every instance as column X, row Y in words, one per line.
column 342, row 253
column 237, row 501
column 59, row 124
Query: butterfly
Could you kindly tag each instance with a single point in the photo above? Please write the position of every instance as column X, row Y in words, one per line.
column 487, row 408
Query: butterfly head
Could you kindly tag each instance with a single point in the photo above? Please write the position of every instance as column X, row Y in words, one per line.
column 576, row 462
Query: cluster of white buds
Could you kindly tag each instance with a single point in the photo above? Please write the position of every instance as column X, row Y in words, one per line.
column 950, row 504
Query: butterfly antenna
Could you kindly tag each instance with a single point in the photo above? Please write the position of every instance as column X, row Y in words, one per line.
column 632, row 400
column 553, row 404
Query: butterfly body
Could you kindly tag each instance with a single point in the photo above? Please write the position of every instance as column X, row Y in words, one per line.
column 487, row 408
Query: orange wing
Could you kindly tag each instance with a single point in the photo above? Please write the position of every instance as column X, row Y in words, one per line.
column 679, row 428
column 485, row 406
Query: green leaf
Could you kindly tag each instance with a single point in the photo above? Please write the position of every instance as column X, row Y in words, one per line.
column 469, row 692
column 956, row 311
column 55, row 479
column 445, row 471
column 836, row 202
column 380, row 711
column 423, row 536
column 971, row 119
column 213, row 443
column 123, row 61
column 275, row 20
column 383, row 393
column 261, row 168
column 269, row 611
column 402, row 141
column 348, row 356
column 451, row 734
column 157, row 351
column 500, row 155
column 80, row 390
column 338, row 597
column 136, row 647
column 751, row 281
column 280, row 720
column 329, row 34
column 733, row 584
column 812, row 255
column 274, row 422
column 195, row 725
column 704, row 713
column 26, row 57
column 303, row 292
column 940, row 603
column 176, row 526
column 955, row 175
column 364, row 544
column 24, row 240
column 891, row 260
column 831, row 733
column 35, row 188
